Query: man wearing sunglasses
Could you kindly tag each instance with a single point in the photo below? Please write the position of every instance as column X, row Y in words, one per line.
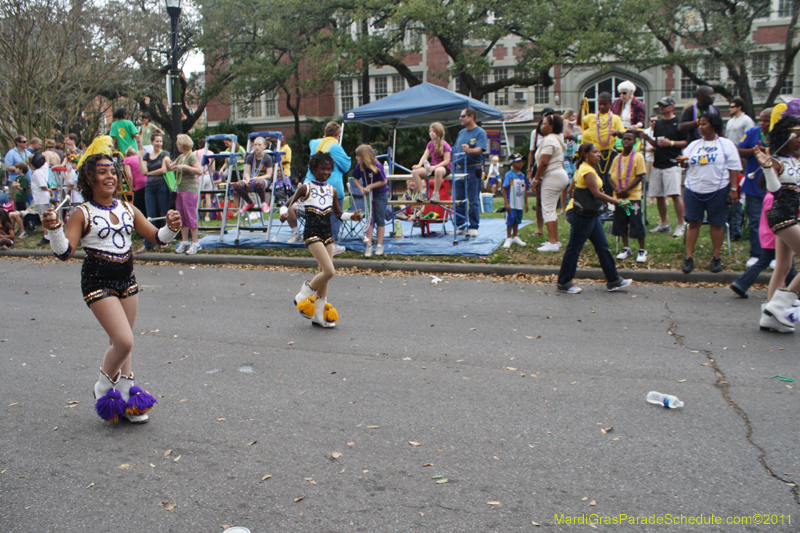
column 739, row 122
column 468, row 152
column 629, row 108
column 18, row 154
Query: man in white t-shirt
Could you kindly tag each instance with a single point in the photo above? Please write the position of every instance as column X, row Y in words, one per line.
column 739, row 123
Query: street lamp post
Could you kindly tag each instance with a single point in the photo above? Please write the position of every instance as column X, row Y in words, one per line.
column 174, row 11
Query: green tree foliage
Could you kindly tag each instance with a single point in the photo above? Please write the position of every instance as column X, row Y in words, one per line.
column 692, row 31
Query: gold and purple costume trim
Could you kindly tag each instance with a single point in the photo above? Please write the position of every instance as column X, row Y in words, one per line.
column 784, row 208
column 108, row 256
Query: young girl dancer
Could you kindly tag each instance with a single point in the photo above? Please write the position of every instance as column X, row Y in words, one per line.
column 782, row 173
column 319, row 198
column 103, row 226
column 371, row 174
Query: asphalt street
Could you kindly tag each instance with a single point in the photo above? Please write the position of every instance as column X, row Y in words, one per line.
column 529, row 404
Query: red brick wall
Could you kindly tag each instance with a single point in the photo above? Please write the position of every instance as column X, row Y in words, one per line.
column 412, row 60
column 500, row 52
column 770, row 34
column 669, row 82
column 437, row 64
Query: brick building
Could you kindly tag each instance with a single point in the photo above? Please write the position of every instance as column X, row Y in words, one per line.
column 570, row 87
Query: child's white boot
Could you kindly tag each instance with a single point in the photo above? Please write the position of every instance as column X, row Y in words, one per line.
column 768, row 323
column 110, row 405
column 137, row 400
column 304, row 300
column 776, row 307
column 324, row 314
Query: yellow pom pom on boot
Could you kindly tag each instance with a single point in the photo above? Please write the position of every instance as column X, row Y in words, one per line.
column 322, row 312
column 307, row 307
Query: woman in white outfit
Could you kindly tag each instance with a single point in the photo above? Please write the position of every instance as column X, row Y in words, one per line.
column 551, row 177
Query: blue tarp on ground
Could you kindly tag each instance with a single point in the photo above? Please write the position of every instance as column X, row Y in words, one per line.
column 492, row 233
column 419, row 106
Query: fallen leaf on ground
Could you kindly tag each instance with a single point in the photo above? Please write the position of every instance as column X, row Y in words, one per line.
column 606, row 430
column 492, row 503
column 592, row 503
column 163, row 503
column 310, row 480
column 13, row 404
column 584, row 499
column 266, row 477
column 428, row 464
column 351, row 443
column 298, row 499
column 681, row 381
column 252, row 443
column 290, row 345
column 336, row 455
column 437, row 476
column 176, row 459
column 90, row 485
column 411, row 442
column 528, row 337
column 126, row 466
column 535, row 523
column 443, row 480
column 171, row 506
column 220, row 419
column 510, row 368
column 166, row 453
column 373, row 427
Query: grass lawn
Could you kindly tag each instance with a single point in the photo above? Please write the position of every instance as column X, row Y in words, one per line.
column 664, row 251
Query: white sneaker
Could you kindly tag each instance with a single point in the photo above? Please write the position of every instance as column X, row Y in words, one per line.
column 473, row 233
column 624, row 254
column 194, row 248
column 642, row 257
column 296, row 237
column 519, row 241
column 619, row 284
column 771, row 264
column 574, row 289
column 338, row 249
column 679, row 231
column 435, row 198
column 549, row 247
column 379, row 250
column 368, row 251
column 753, row 260
column 182, row 247
column 661, row 228
column 507, row 243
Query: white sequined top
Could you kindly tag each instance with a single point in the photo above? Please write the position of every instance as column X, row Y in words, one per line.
column 319, row 198
column 102, row 237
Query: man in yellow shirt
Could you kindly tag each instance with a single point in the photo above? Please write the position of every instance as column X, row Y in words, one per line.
column 627, row 173
column 599, row 129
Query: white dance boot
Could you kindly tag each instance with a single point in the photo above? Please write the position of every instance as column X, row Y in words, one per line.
column 768, row 323
column 109, row 406
column 324, row 314
column 776, row 307
column 304, row 300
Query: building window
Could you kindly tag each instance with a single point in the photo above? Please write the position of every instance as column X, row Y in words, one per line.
column 541, row 94
column 788, row 85
column 271, row 105
column 398, row 83
column 761, row 65
column 784, row 9
column 255, row 108
column 347, row 95
column 688, row 87
column 483, row 79
column 607, row 85
column 711, row 70
column 381, row 90
column 501, row 96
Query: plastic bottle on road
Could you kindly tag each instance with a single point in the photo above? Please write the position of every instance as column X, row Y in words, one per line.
column 666, row 400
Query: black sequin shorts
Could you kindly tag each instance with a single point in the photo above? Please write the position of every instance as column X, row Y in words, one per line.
column 101, row 278
column 318, row 229
column 784, row 209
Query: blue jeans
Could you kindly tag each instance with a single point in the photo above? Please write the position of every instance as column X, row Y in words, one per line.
column 747, row 279
column 156, row 198
column 473, row 194
column 584, row 228
column 752, row 208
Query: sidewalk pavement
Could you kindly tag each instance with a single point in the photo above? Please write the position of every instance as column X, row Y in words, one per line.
column 642, row 276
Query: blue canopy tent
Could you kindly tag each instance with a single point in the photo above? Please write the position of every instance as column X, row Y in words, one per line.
column 419, row 106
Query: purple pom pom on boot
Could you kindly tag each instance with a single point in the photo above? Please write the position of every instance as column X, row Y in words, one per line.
column 140, row 401
column 110, row 406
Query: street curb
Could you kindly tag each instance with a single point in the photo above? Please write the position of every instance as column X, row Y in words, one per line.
column 646, row 276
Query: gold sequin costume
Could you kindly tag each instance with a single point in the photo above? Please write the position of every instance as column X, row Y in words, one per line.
column 318, row 205
column 108, row 267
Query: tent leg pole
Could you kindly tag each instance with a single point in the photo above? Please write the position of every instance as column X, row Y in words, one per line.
column 508, row 145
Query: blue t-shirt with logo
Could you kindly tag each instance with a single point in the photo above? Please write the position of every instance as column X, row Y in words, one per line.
column 474, row 137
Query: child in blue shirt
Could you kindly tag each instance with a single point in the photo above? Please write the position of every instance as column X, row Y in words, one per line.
column 515, row 196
